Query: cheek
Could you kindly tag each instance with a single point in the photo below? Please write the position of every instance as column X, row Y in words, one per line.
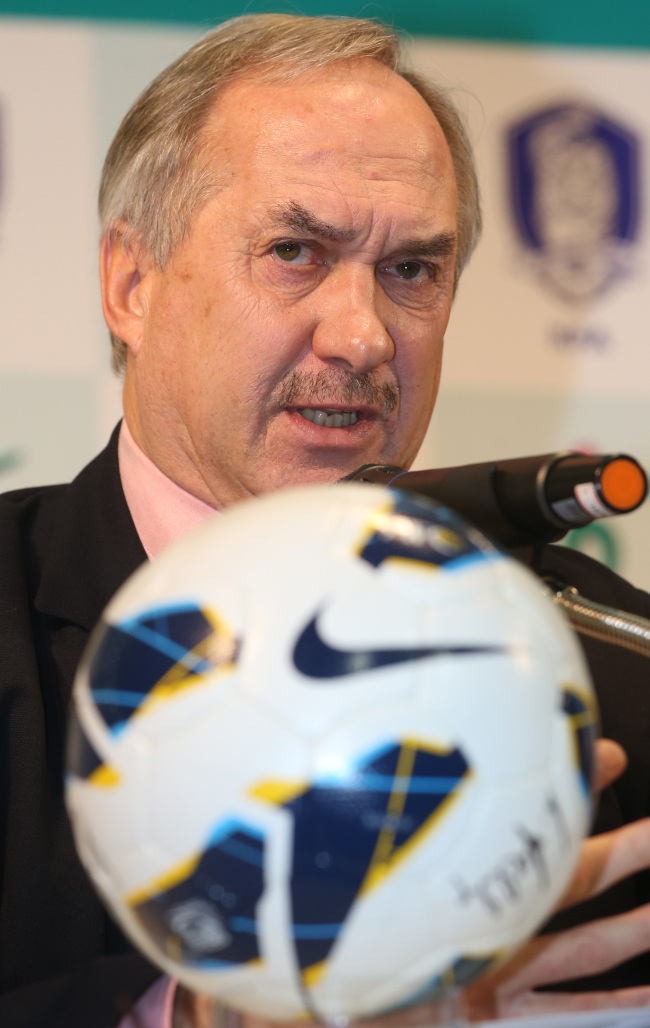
column 240, row 348
column 418, row 361
column 265, row 337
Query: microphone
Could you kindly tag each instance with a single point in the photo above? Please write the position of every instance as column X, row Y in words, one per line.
column 527, row 500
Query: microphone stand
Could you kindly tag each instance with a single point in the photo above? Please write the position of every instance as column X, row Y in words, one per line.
column 471, row 491
column 631, row 631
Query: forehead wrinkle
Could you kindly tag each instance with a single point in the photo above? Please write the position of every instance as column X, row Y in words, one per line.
column 365, row 156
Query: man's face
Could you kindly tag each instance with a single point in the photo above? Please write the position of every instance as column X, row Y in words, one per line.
column 297, row 332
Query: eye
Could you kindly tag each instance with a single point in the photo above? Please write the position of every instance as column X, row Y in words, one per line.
column 290, row 252
column 408, row 269
column 418, row 272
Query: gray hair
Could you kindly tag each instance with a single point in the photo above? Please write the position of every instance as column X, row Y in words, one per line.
column 156, row 173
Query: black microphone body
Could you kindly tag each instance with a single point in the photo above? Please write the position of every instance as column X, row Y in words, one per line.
column 526, row 501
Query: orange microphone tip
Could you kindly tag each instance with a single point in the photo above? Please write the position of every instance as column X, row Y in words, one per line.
column 622, row 484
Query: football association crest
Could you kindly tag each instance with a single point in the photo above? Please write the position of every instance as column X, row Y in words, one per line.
column 574, row 187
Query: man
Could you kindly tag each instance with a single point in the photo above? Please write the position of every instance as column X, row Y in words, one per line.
column 285, row 214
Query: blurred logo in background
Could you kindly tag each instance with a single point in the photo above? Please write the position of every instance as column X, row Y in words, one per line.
column 9, row 460
column 598, row 541
column 574, row 188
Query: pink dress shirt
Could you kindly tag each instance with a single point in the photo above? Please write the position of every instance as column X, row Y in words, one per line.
column 155, row 1008
column 161, row 510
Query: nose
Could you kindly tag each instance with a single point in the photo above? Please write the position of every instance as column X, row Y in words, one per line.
column 350, row 329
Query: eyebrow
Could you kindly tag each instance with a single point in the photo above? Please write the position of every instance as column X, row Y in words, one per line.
column 294, row 216
column 443, row 244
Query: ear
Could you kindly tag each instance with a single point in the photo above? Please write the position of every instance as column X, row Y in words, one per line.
column 125, row 271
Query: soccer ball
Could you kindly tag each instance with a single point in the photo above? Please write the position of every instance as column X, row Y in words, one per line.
column 331, row 753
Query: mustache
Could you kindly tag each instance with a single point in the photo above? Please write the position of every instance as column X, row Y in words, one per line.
column 310, row 388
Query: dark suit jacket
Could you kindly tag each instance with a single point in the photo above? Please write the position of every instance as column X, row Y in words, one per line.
column 64, row 551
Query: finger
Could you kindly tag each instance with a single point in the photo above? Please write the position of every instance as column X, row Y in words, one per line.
column 577, row 953
column 608, row 858
column 611, row 761
column 194, row 1010
column 532, row 1004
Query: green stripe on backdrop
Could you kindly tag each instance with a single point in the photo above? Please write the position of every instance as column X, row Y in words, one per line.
column 605, row 23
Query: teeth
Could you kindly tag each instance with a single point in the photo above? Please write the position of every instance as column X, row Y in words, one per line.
column 330, row 419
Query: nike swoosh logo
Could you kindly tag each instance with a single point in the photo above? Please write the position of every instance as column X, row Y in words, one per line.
column 315, row 658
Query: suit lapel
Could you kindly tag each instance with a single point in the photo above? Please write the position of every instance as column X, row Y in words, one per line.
column 93, row 546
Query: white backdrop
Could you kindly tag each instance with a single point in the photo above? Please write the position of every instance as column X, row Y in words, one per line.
column 526, row 369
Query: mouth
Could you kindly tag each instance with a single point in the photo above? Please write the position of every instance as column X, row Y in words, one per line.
column 328, row 418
